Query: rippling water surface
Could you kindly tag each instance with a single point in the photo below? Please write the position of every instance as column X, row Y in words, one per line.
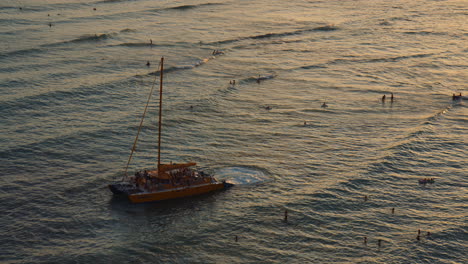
column 74, row 81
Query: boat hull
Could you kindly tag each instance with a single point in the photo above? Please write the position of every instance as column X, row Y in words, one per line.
column 176, row 193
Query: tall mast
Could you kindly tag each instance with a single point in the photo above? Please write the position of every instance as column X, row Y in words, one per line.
column 141, row 122
column 160, row 112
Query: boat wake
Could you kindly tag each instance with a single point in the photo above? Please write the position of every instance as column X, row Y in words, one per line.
column 242, row 175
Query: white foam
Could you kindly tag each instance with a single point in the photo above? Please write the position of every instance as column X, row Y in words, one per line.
column 241, row 175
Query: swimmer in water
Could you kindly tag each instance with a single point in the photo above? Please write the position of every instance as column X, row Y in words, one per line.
column 148, row 64
column 324, row 105
column 383, row 98
column 216, row 52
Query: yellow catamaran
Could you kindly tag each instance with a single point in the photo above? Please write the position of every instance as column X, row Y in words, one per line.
column 167, row 181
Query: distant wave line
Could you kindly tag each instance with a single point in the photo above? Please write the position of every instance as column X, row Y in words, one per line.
column 389, row 59
column 274, row 35
column 370, row 60
column 146, row 44
column 111, row 1
column 90, row 37
column 184, row 7
column 185, row 67
column 425, row 33
column 83, row 38
column 347, row 61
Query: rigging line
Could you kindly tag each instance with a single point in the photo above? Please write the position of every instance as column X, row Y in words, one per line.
column 141, row 123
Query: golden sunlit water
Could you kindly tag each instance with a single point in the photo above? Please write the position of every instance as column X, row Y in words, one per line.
column 74, row 80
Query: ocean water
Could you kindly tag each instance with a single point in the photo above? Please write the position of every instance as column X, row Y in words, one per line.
column 74, row 81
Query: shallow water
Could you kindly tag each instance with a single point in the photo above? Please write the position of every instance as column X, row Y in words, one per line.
column 73, row 93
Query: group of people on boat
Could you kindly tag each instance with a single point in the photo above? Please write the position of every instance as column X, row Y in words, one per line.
column 147, row 181
column 142, row 179
column 185, row 177
column 426, row 180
